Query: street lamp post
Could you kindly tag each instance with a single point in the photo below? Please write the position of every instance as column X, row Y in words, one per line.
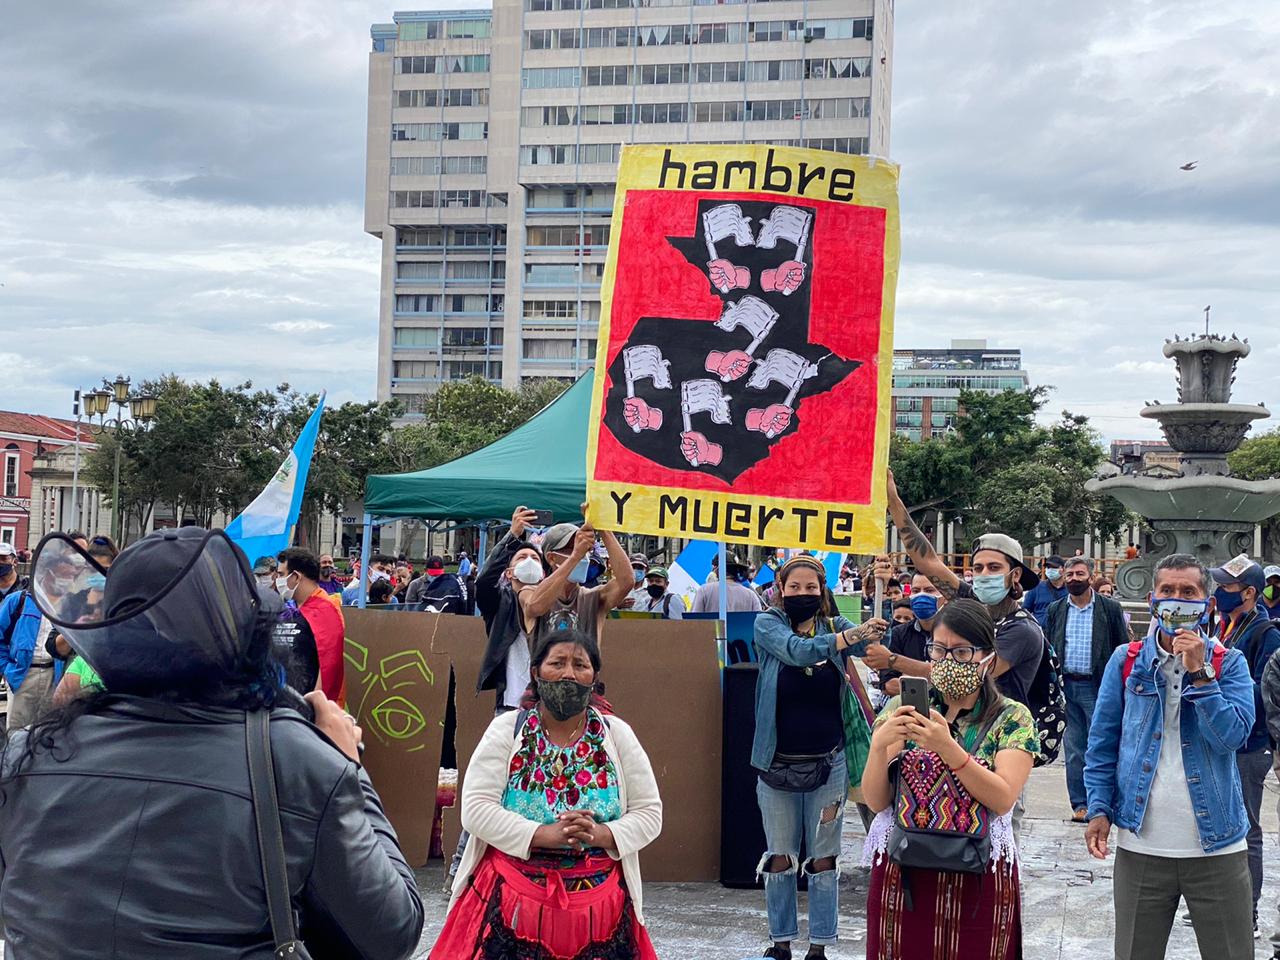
column 141, row 406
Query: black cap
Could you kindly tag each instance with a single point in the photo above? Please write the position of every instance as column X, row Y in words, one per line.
column 150, row 565
column 1054, row 561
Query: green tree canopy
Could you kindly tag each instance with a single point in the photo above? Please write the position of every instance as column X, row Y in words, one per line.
column 1258, row 458
column 1001, row 470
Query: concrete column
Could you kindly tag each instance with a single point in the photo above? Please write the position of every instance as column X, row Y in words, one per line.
column 1257, row 540
column 939, row 533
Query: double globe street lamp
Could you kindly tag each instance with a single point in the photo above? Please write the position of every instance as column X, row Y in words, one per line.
column 142, row 413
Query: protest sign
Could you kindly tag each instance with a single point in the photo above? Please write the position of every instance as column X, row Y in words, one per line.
column 743, row 380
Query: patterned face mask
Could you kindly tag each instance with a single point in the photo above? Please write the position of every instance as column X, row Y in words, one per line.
column 564, row 698
column 955, row 681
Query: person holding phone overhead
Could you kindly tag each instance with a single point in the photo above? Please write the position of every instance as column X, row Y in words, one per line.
column 803, row 647
column 560, row 601
column 949, row 892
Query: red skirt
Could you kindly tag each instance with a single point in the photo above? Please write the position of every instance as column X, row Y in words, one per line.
column 954, row 916
column 512, row 910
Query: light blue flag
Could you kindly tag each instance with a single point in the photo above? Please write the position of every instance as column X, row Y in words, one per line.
column 266, row 526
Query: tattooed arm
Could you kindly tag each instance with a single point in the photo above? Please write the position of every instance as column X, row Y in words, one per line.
column 923, row 557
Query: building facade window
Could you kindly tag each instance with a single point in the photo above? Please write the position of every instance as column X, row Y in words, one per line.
column 420, row 338
column 410, row 199
column 558, row 153
column 417, row 303
column 577, row 237
column 12, row 470
column 470, row 63
column 436, row 97
column 414, row 369
column 439, row 131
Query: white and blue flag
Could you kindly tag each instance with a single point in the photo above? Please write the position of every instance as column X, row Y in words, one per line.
column 266, row 525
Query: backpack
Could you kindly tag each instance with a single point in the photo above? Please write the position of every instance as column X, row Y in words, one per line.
column 937, row 824
column 1135, row 647
column 1045, row 697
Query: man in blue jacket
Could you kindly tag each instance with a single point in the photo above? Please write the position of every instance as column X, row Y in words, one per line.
column 1047, row 592
column 29, row 668
column 1171, row 714
column 1245, row 626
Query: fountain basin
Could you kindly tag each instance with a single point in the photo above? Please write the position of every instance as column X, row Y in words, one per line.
column 1195, row 500
column 1205, row 427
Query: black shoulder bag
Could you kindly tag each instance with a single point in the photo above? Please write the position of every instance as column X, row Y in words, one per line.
column 266, row 815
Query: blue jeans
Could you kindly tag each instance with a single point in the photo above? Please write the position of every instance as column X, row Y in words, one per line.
column 817, row 819
column 1081, row 697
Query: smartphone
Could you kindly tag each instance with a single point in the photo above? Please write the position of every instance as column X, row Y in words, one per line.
column 579, row 573
column 542, row 518
column 915, row 693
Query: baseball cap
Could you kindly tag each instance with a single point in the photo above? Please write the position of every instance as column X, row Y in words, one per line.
column 435, row 566
column 6, row 550
column 1267, row 573
column 1054, row 561
column 733, row 561
column 659, row 572
column 639, row 560
column 1240, row 570
column 559, row 537
column 265, row 564
column 1011, row 548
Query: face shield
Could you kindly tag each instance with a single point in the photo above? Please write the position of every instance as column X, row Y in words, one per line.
column 176, row 611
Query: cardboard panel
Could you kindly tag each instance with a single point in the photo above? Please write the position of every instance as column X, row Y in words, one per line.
column 398, row 690
column 474, row 712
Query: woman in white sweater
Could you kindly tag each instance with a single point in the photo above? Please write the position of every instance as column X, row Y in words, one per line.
column 559, row 799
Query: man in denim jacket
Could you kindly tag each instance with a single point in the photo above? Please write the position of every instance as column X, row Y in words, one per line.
column 1180, row 810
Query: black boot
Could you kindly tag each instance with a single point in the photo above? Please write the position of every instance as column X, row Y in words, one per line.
column 816, row 952
column 779, row 951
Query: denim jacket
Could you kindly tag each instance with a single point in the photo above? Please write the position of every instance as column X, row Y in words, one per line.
column 1124, row 744
column 778, row 645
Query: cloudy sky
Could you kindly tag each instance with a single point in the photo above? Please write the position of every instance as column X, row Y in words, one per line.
column 180, row 190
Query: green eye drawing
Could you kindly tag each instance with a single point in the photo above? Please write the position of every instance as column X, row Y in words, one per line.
column 398, row 718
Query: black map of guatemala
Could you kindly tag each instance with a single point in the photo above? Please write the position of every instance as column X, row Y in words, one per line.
column 715, row 397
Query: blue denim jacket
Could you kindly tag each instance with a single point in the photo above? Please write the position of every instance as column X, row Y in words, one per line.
column 1124, row 744
column 21, row 618
column 777, row 644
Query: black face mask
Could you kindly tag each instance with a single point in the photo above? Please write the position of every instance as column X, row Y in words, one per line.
column 1077, row 588
column 564, row 698
column 655, row 591
column 801, row 607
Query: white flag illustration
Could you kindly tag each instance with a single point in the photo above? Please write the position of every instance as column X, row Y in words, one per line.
column 782, row 366
column 646, row 361
column 704, row 396
column 723, row 221
column 750, row 312
column 786, row 223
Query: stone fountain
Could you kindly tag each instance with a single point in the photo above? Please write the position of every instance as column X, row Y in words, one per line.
column 1205, row 511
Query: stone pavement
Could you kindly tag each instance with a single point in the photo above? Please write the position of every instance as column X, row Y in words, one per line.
column 1067, row 907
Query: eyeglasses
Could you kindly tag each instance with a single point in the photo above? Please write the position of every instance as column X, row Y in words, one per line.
column 937, row 652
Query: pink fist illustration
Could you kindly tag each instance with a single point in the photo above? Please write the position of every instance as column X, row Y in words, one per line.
column 785, row 279
column 770, row 421
column 640, row 416
column 728, row 366
column 725, row 276
column 698, row 450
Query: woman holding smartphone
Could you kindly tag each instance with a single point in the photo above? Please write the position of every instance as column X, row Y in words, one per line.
column 989, row 743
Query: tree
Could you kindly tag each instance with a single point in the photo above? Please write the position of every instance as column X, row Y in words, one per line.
column 1001, row 470
column 1258, row 458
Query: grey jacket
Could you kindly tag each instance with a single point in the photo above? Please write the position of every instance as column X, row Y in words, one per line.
column 141, row 844
column 1271, row 696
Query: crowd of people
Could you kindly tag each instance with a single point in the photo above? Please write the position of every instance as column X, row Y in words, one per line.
column 928, row 714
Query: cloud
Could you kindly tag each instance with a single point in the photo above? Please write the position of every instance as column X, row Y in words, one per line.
column 181, row 190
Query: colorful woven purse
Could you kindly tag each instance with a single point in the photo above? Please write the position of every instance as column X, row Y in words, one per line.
column 937, row 824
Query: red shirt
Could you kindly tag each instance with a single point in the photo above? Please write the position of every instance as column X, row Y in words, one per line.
column 328, row 627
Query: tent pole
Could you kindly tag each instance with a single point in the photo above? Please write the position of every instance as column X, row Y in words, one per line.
column 723, row 553
column 481, row 556
column 366, row 547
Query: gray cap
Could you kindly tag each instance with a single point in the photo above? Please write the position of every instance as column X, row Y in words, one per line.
column 559, row 537
column 6, row 550
column 1011, row 548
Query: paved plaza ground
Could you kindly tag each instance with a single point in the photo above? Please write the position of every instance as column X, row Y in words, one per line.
column 1067, row 910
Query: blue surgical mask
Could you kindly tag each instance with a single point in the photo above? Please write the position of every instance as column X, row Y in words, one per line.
column 1228, row 601
column 924, row 606
column 1172, row 615
column 991, row 589
column 1054, row 574
column 96, row 581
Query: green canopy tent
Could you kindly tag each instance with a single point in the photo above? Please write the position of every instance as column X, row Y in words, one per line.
column 541, row 464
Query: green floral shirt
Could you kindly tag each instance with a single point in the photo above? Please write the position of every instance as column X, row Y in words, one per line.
column 1014, row 729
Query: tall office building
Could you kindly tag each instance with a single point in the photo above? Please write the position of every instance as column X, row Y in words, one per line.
column 494, row 139
column 927, row 383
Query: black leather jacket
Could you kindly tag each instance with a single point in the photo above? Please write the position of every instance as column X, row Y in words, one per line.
column 142, row 844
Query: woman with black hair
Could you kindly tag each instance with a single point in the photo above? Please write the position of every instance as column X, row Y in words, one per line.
column 988, row 743
column 559, row 800
column 169, row 862
column 803, row 647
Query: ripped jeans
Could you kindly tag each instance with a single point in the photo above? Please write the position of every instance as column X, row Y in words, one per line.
column 817, row 819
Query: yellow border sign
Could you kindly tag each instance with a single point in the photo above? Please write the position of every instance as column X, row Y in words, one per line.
column 745, row 356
